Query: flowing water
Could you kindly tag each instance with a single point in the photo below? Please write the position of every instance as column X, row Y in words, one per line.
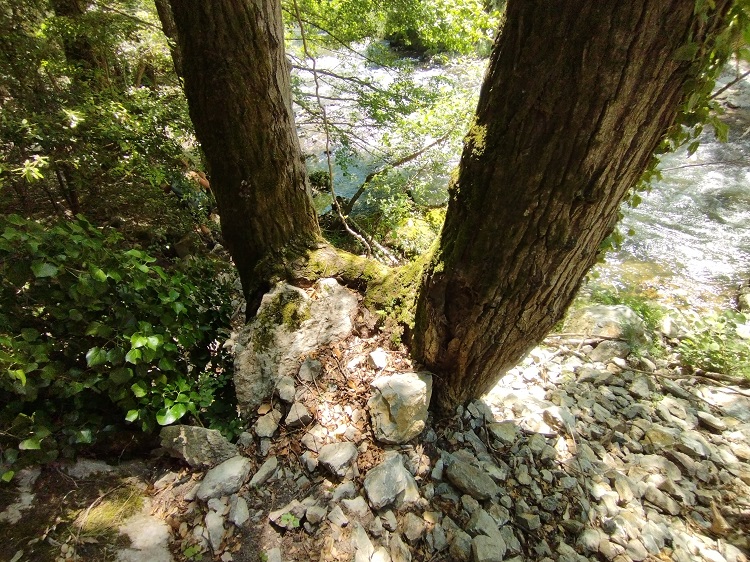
column 691, row 241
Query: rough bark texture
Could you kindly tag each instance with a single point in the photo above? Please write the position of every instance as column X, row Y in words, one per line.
column 576, row 98
column 238, row 89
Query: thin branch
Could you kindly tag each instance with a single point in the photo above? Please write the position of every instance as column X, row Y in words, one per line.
column 332, row 74
column 344, row 44
column 327, row 133
column 400, row 162
column 699, row 164
column 723, row 89
column 128, row 16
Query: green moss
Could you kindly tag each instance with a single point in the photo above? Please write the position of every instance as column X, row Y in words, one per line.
column 394, row 297
column 477, row 139
column 289, row 309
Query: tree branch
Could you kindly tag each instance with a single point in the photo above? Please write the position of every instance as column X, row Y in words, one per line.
column 400, row 162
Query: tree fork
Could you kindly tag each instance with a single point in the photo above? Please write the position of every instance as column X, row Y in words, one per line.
column 576, row 98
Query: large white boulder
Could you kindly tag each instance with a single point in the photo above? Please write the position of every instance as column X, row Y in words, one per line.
column 289, row 325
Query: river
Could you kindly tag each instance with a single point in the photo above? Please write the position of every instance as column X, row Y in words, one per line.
column 691, row 233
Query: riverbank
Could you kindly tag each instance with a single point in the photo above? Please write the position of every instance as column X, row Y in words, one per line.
column 585, row 451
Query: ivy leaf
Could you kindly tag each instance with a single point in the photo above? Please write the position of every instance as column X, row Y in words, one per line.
column 7, row 476
column 131, row 416
column 44, row 269
column 121, row 375
column 138, row 389
column 133, row 356
column 19, row 374
column 31, row 444
column 84, row 436
column 96, row 356
column 167, row 416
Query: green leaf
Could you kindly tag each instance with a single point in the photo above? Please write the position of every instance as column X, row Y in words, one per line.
column 98, row 274
column 19, row 374
column 84, row 436
column 153, row 342
column 139, row 389
column 31, row 444
column 121, row 375
column 7, row 476
column 131, row 416
column 29, row 334
column 138, row 340
column 44, row 269
column 133, row 356
column 96, row 356
column 167, row 416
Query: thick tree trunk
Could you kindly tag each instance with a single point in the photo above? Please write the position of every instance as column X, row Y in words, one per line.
column 576, row 99
column 238, row 88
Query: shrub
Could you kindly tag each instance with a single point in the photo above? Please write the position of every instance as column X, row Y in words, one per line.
column 715, row 344
column 91, row 334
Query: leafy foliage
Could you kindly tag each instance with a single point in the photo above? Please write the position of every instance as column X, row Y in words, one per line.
column 716, row 343
column 425, row 26
column 91, row 334
column 90, row 105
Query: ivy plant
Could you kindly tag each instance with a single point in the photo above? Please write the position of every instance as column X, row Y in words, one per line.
column 93, row 334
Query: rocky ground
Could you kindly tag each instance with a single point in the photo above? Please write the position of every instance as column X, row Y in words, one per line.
column 585, row 451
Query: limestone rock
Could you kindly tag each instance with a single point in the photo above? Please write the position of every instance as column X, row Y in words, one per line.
column 224, row 479
column 612, row 321
column 471, row 480
column 197, row 446
column 298, row 416
column 288, row 325
column 265, row 472
column 215, row 527
column 398, row 406
column 267, row 425
column 390, row 482
column 337, row 457
column 285, row 388
column 488, row 549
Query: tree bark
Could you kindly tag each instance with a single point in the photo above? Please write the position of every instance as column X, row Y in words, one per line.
column 576, row 98
column 238, row 88
column 169, row 28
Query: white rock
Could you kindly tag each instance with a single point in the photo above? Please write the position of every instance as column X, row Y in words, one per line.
column 288, row 325
column 265, row 472
column 378, row 359
column 398, row 406
column 224, row 479
column 390, row 482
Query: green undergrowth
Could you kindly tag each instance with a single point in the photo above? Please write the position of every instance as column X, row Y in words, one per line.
column 94, row 335
column 718, row 341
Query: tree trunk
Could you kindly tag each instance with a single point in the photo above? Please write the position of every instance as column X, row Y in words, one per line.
column 170, row 31
column 238, row 88
column 576, row 99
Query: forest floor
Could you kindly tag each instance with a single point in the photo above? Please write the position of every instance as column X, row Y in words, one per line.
column 568, row 459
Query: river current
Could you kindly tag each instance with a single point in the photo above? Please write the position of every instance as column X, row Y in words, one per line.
column 690, row 241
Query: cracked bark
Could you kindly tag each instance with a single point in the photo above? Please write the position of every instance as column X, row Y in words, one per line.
column 576, row 98
column 238, row 87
